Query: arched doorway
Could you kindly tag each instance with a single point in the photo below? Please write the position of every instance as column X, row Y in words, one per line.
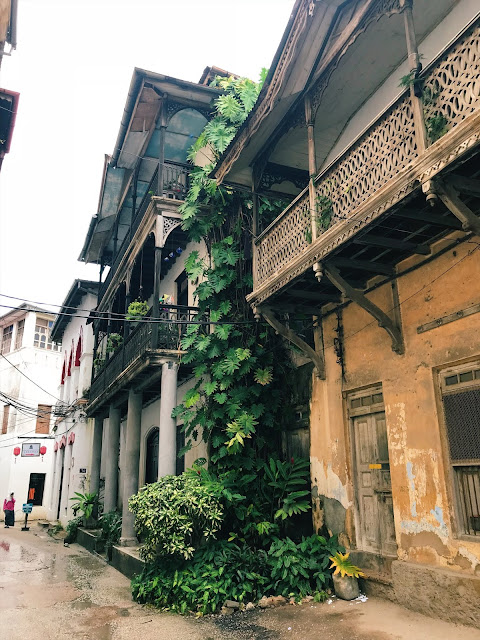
column 151, row 459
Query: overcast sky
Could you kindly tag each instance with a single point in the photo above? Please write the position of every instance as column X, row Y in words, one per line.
column 72, row 68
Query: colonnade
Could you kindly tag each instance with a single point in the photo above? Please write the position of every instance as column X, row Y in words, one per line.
column 131, row 453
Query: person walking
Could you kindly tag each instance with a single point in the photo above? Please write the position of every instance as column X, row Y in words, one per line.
column 9, row 511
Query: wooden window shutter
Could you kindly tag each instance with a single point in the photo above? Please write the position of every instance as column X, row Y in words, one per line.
column 6, row 411
column 43, row 418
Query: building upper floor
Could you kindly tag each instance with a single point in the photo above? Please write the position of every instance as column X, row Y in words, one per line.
column 75, row 336
column 367, row 127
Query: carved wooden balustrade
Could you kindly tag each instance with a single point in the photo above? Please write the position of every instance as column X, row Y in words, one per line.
column 388, row 147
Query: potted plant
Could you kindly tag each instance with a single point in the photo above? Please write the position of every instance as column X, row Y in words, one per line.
column 85, row 503
column 136, row 310
column 345, row 577
column 99, row 362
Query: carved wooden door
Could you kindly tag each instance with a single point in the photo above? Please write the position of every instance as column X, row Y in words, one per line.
column 373, row 485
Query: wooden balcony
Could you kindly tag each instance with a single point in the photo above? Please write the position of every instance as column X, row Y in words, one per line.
column 137, row 363
column 370, row 207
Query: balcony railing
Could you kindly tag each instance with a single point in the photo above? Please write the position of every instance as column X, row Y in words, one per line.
column 451, row 93
column 175, row 185
column 164, row 334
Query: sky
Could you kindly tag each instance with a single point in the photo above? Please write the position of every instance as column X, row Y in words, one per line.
column 72, row 68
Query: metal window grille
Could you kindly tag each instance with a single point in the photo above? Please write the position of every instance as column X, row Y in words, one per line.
column 462, row 416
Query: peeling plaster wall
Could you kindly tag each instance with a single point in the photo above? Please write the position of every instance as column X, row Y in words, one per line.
column 422, row 493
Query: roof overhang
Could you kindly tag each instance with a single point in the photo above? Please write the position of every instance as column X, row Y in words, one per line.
column 74, row 297
column 8, row 113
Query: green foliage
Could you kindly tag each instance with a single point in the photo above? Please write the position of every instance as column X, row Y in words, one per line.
column 225, row 569
column 85, row 503
column 114, row 341
column 300, row 568
column 343, row 566
column 437, row 126
column 175, row 515
column 324, row 212
column 72, row 528
column 111, row 524
column 99, row 361
column 55, row 529
column 136, row 310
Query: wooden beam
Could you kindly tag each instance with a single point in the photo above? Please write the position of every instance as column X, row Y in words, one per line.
column 393, row 243
column 449, row 197
column 363, row 265
column 380, row 316
column 311, row 295
column 430, row 218
column 468, row 186
column 288, row 334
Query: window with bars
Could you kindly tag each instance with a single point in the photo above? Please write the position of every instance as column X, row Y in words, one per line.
column 461, row 402
column 7, row 334
column 19, row 336
column 42, row 339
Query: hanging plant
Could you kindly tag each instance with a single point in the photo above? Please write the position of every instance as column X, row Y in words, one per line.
column 115, row 340
column 136, row 310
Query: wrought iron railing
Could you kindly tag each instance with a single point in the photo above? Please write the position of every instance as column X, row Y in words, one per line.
column 468, row 485
column 451, row 93
column 175, row 179
column 163, row 333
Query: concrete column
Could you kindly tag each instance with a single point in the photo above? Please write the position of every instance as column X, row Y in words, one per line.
column 167, row 456
column 56, row 484
column 112, row 444
column 67, row 464
column 131, row 466
column 96, row 455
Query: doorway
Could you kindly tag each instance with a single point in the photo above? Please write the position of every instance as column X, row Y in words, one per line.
column 373, row 486
column 36, row 487
column 151, row 460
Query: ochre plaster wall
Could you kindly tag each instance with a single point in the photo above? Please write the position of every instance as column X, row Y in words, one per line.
column 424, row 509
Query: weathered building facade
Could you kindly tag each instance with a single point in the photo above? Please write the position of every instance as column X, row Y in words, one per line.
column 29, row 369
column 138, row 376
column 368, row 123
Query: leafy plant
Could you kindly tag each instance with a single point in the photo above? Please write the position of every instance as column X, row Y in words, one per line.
column 99, row 361
column 300, row 568
column 114, row 341
column 324, row 211
column 136, row 310
column 175, row 515
column 343, row 566
column 436, row 126
column 111, row 525
column 85, row 503
column 55, row 529
column 72, row 528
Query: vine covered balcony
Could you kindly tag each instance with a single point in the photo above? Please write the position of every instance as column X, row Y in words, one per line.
column 369, row 202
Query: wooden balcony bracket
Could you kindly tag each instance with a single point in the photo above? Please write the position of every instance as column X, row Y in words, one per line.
column 448, row 192
column 384, row 321
column 291, row 336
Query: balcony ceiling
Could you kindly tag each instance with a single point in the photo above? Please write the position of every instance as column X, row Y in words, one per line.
column 368, row 63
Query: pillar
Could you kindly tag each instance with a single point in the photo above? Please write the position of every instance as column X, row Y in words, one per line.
column 67, row 464
column 55, row 502
column 112, row 444
column 168, row 426
column 131, row 466
column 96, row 455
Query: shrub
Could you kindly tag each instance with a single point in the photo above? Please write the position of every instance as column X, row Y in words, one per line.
column 175, row 516
column 85, row 503
column 72, row 528
column 219, row 571
column 300, row 569
column 137, row 309
column 111, row 524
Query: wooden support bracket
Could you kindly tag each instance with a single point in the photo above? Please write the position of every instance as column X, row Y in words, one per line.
column 380, row 316
column 450, row 198
column 291, row 336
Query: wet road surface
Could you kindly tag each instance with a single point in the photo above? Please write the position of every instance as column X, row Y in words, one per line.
column 49, row 592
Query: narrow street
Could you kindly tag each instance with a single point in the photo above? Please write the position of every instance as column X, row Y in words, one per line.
column 48, row 592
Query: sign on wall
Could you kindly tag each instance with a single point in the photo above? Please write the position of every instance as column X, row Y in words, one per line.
column 30, row 449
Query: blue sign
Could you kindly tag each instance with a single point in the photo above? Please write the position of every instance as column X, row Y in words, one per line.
column 27, row 508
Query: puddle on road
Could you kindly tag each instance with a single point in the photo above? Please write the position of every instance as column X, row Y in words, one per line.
column 245, row 628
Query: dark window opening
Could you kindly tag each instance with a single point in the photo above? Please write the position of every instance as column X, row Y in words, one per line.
column 180, row 462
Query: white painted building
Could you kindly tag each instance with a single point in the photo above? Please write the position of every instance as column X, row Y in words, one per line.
column 30, row 364
column 72, row 447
